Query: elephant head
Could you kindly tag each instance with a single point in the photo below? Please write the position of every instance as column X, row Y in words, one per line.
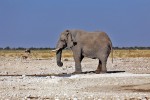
column 66, row 40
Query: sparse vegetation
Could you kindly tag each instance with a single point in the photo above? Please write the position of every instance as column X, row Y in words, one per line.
column 131, row 53
column 47, row 54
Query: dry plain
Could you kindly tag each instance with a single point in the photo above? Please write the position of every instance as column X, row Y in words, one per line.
column 39, row 77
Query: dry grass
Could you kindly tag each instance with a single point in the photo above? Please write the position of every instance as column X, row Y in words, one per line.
column 35, row 54
column 131, row 53
column 47, row 54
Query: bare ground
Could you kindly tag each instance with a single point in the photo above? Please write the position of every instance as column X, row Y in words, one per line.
column 127, row 78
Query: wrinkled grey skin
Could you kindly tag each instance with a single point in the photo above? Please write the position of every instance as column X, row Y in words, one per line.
column 95, row 45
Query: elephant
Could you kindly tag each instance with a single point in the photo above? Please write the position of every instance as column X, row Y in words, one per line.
column 95, row 45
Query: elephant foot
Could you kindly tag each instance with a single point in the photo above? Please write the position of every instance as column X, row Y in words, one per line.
column 77, row 72
column 97, row 71
column 100, row 72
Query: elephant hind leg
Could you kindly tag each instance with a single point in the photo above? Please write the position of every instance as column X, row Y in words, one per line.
column 104, row 69
column 98, row 70
column 101, row 67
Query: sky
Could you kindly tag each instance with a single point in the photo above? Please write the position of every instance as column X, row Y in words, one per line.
column 38, row 23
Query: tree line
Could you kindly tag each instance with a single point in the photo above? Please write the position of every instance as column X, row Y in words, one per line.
column 131, row 48
column 23, row 48
column 48, row 48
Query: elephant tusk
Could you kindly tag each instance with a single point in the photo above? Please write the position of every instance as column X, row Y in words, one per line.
column 56, row 50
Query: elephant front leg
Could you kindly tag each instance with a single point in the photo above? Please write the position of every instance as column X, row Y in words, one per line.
column 78, row 69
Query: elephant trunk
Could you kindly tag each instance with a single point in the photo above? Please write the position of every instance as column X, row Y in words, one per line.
column 58, row 54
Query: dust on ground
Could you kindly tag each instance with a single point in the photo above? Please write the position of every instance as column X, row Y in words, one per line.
column 127, row 78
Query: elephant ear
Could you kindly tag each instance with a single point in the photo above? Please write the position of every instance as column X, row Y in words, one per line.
column 71, row 39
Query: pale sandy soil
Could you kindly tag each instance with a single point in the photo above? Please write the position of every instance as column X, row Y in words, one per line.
column 127, row 78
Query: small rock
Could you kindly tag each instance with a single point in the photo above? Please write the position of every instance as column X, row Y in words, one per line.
column 25, row 98
column 47, row 77
column 75, row 98
column 23, row 76
column 53, row 77
column 56, row 98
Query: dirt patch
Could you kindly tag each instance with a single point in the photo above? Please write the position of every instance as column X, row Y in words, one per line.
column 138, row 88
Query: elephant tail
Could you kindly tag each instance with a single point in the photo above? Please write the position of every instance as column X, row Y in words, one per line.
column 111, row 45
column 112, row 54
